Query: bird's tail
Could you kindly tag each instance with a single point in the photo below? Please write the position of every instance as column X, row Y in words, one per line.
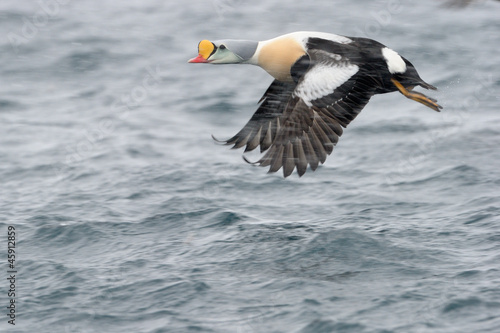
column 425, row 85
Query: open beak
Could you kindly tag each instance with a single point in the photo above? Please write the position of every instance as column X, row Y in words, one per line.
column 198, row 59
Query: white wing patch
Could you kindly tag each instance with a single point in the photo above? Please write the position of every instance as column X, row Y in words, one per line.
column 323, row 79
column 395, row 63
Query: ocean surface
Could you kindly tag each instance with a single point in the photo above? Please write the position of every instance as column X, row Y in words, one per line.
column 128, row 218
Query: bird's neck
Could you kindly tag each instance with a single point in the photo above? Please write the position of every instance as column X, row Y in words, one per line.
column 277, row 56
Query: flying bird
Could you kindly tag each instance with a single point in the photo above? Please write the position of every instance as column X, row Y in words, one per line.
column 321, row 83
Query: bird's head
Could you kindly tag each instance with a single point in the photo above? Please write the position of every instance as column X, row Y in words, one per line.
column 225, row 51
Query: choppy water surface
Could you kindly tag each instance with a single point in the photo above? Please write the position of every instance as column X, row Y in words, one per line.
column 130, row 219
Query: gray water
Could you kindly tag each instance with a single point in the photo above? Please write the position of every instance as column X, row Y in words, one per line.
column 129, row 218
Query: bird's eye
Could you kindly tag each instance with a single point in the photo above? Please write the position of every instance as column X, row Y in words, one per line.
column 222, row 47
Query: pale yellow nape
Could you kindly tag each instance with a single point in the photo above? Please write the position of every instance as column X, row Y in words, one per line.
column 278, row 56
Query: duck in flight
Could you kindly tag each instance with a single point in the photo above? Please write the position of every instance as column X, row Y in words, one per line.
column 321, row 83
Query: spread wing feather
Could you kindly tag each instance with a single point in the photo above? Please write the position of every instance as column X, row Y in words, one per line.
column 298, row 124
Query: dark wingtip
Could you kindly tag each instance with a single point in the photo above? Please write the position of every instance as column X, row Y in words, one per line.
column 248, row 161
column 301, row 171
column 221, row 142
column 272, row 171
column 248, row 148
column 287, row 172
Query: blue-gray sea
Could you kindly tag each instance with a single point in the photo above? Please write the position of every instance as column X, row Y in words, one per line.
column 129, row 218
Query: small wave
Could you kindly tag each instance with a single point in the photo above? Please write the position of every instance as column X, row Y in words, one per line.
column 66, row 235
column 464, row 173
column 83, row 61
column 6, row 104
column 328, row 326
column 461, row 304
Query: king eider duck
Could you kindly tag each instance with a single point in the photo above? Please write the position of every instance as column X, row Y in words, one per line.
column 321, row 82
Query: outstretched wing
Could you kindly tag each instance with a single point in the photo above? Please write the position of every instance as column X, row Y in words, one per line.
column 299, row 124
